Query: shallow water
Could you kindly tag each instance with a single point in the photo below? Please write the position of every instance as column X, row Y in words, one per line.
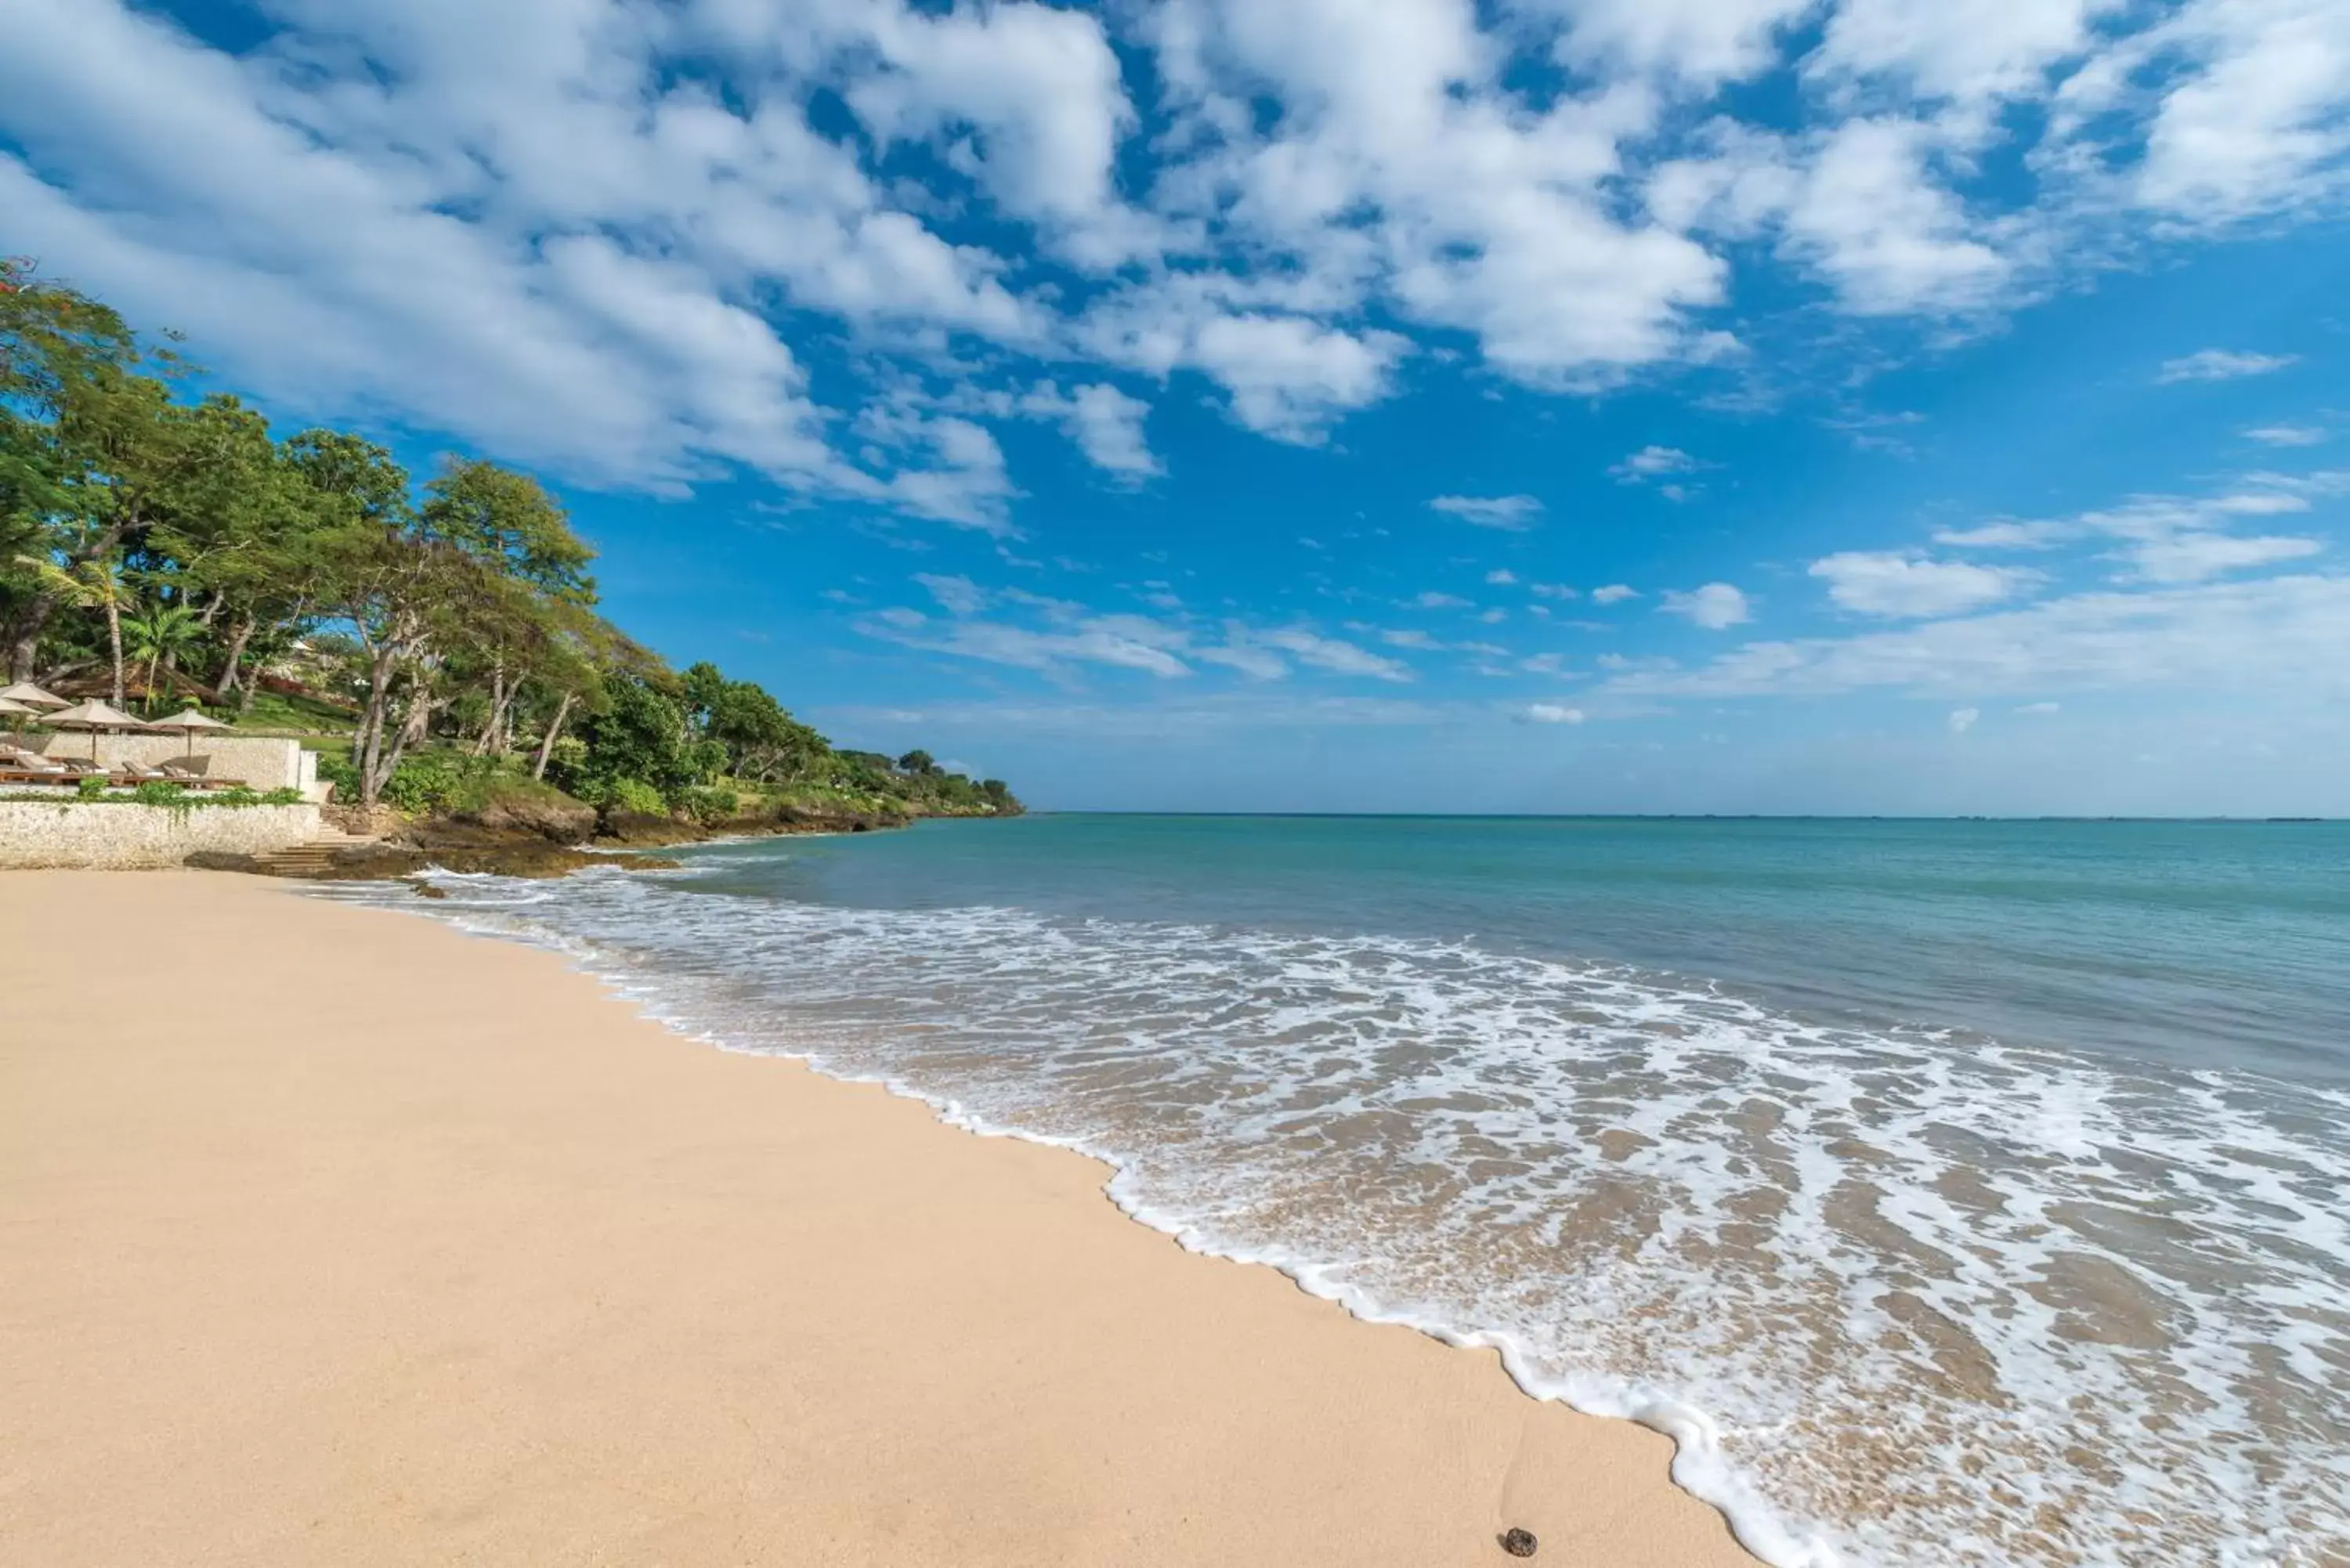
column 1956, row 1193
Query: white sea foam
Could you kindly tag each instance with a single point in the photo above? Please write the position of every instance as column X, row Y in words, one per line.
column 1900, row 1297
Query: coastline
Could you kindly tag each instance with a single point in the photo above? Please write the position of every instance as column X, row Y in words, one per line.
column 366, row 1241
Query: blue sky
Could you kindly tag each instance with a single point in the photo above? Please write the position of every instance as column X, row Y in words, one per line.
column 1556, row 405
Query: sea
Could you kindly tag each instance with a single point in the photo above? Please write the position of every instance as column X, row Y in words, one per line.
column 1954, row 1193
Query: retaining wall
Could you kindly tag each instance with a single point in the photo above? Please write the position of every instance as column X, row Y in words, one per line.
column 264, row 763
column 124, row 836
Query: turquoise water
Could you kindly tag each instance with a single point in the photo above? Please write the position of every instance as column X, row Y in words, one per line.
column 2191, row 944
column 1952, row 1193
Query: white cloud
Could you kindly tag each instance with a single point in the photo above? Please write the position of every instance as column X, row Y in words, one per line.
column 2256, row 122
column 2285, row 435
column 1889, row 583
column 2221, row 364
column 1715, row 606
column 1961, row 719
column 1562, row 591
column 1890, row 238
column 1513, row 512
column 1652, row 463
column 2235, row 636
column 1614, row 593
column 957, row 595
column 2041, row 707
column 601, row 237
column 1432, row 600
column 1337, row 657
column 1500, row 578
column 2005, row 535
column 1105, row 422
column 1552, row 713
column 2191, row 558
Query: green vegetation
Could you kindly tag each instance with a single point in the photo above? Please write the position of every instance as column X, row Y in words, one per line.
column 93, row 791
column 438, row 646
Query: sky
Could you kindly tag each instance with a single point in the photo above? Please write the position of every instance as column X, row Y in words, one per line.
column 1876, row 406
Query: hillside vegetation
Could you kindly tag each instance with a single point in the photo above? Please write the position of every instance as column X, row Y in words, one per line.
column 439, row 645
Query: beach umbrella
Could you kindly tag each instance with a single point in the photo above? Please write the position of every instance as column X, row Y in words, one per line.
column 187, row 722
column 32, row 696
column 93, row 716
column 16, row 711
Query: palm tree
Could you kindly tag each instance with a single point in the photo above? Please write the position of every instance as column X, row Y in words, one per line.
column 161, row 634
column 91, row 585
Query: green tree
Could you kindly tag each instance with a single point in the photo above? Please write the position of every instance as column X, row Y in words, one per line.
column 917, row 763
column 158, row 636
column 89, row 585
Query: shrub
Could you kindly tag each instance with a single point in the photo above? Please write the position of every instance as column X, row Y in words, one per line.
column 90, row 789
column 160, row 792
column 338, row 771
column 238, row 795
column 274, row 798
column 636, row 797
column 707, row 804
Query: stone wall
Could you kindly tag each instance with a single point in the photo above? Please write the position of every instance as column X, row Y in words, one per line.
column 262, row 761
column 124, row 836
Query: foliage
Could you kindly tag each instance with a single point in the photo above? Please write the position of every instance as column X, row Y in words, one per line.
column 448, row 631
column 708, row 804
column 90, row 789
column 630, row 795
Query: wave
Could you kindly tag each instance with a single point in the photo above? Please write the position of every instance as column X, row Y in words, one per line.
column 1900, row 1296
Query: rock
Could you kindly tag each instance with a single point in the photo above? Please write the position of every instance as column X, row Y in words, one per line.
column 1518, row 1542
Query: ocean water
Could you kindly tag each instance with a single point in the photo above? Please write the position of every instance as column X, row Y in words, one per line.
column 1955, row 1193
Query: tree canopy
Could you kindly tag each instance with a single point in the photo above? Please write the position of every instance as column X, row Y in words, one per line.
column 178, row 546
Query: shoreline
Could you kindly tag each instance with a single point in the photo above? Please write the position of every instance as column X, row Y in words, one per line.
column 365, row 1269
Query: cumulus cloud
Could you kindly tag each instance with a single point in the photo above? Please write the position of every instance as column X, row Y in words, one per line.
column 1715, row 606
column 1614, row 593
column 1961, row 719
column 1105, row 424
column 1652, row 463
column 1513, row 512
column 1500, row 578
column 1552, row 713
column 2221, row 364
column 606, row 237
column 1889, row 583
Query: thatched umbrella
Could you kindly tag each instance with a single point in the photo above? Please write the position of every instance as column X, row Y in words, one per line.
column 187, row 722
column 16, row 711
column 93, row 716
column 32, row 696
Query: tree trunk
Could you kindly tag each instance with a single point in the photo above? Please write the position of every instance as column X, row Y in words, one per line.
column 413, row 725
column 500, row 696
column 236, row 641
column 367, row 740
column 554, row 729
column 114, row 647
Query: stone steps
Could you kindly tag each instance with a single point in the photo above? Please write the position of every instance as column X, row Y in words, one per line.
column 313, row 855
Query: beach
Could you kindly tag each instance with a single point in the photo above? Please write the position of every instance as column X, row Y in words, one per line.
column 335, row 1235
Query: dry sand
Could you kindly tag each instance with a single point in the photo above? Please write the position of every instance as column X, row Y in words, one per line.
column 331, row 1236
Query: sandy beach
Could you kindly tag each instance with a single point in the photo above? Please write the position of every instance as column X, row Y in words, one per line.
column 335, row 1236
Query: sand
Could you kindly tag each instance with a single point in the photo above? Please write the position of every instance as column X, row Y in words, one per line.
column 333, row 1236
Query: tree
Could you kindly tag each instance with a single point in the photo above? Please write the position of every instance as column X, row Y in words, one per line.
column 917, row 763
column 70, row 378
column 159, row 635
column 644, row 735
column 761, row 741
column 89, row 585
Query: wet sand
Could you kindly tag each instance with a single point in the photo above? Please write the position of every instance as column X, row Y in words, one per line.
column 332, row 1235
